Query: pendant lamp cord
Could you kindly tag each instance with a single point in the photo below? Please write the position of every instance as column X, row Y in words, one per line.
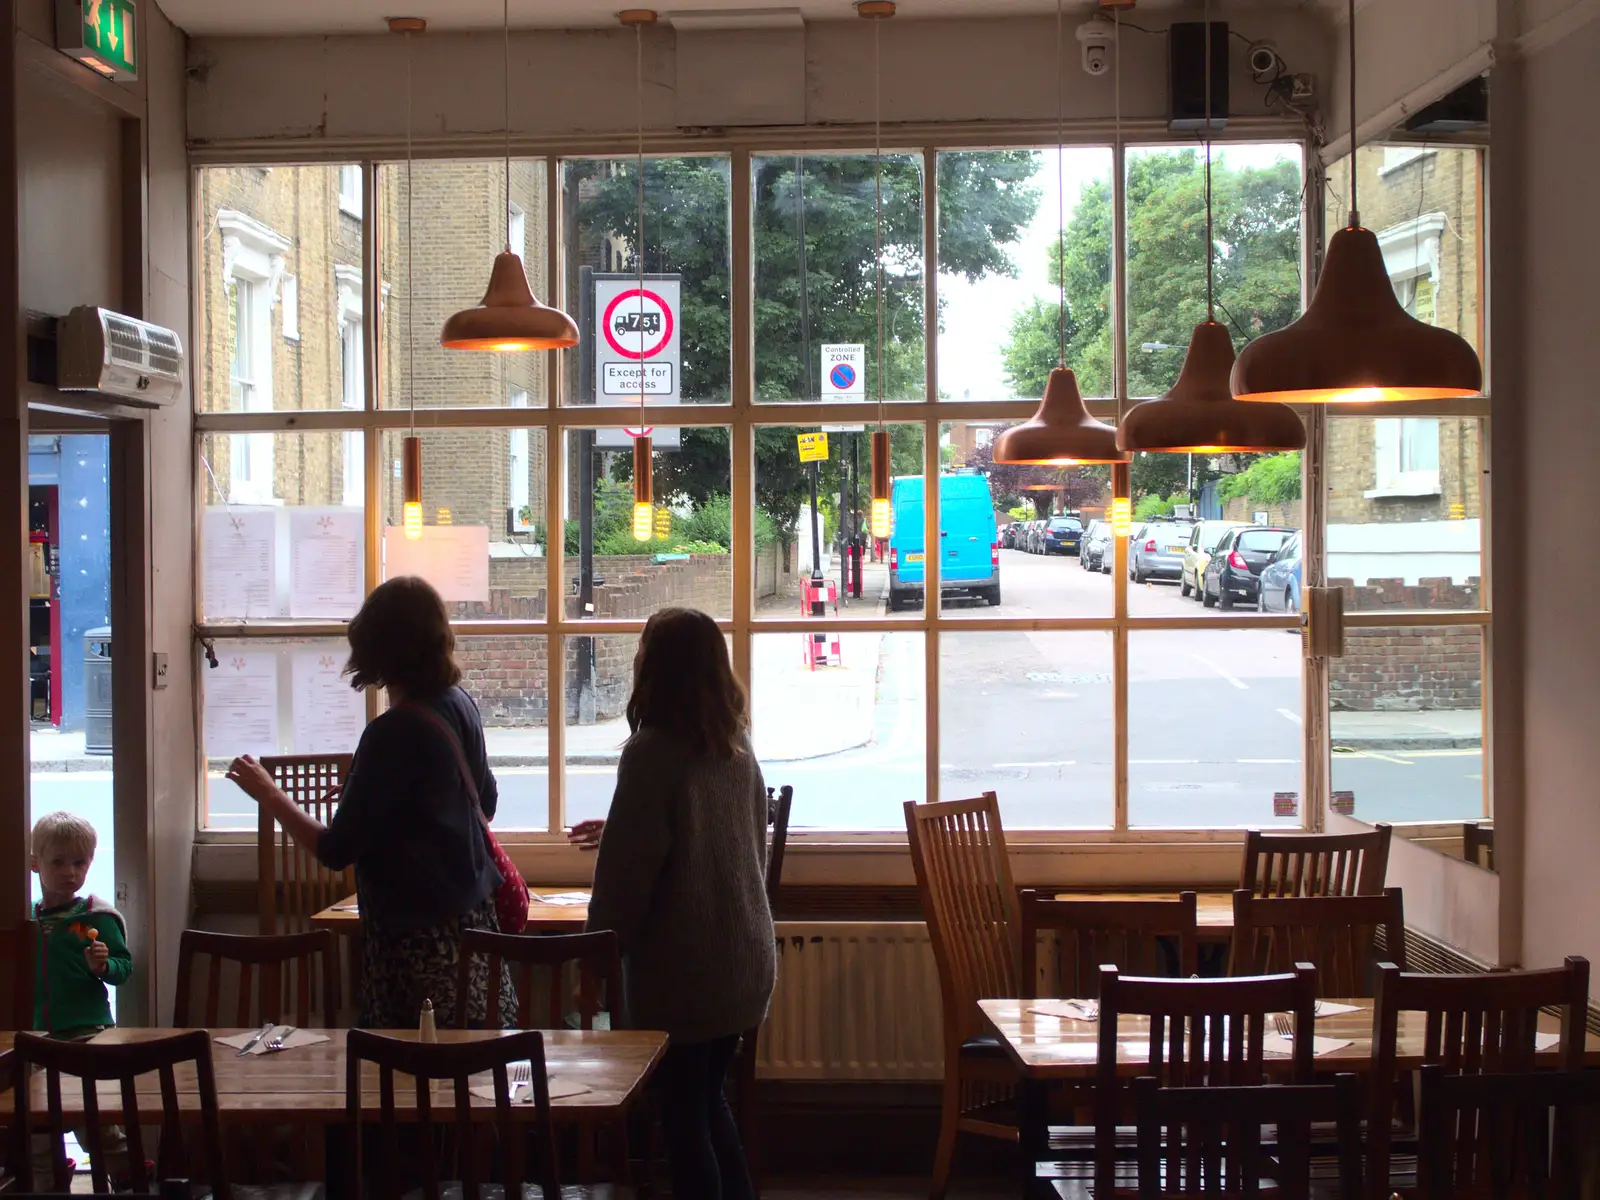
column 411, row 295
column 505, row 46
column 1061, row 197
column 877, row 203
column 638, row 105
column 1211, row 304
column 1355, row 209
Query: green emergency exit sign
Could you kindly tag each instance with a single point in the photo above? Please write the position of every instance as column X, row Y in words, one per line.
column 100, row 34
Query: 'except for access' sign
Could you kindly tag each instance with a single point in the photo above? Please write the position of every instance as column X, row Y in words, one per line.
column 844, row 372
column 623, row 379
column 813, row 447
column 99, row 34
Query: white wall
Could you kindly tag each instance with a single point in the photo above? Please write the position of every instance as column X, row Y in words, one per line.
column 581, row 82
column 1406, row 550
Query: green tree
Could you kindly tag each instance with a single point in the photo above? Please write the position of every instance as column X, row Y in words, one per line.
column 1256, row 230
column 986, row 201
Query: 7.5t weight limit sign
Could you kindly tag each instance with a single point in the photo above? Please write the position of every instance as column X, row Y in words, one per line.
column 637, row 347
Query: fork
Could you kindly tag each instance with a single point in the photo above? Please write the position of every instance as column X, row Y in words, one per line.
column 1284, row 1024
column 276, row 1038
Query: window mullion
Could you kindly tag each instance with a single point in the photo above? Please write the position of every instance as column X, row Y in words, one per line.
column 1120, row 487
column 555, row 498
column 741, row 435
column 372, row 349
column 932, row 609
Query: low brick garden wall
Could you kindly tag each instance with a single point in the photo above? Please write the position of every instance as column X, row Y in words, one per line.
column 1412, row 669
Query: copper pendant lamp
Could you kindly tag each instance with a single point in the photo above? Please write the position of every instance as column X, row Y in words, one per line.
column 1198, row 414
column 1061, row 433
column 411, row 444
column 880, row 516
column 1355, row 343
column 508, row 317
column 644, row 512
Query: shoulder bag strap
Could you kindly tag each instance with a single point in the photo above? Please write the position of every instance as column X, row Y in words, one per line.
column 451, row 736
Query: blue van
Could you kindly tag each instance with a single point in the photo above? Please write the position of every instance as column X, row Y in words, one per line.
column 969, row 564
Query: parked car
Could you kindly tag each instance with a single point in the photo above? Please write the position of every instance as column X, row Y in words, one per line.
column 1062, row 535
column 969, row 558
column 1280, row 580
column 1234, row 572
column 1202, row 542
column 1008, row 536
column 1156, row 551
column 1031, row 540
column 1090, row 549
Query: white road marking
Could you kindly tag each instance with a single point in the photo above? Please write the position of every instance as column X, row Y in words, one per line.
column 1401, row 762
column 1228, row 675
column 1163, row 762
column 1069, row 762
column 1290, row 715
column 1271, row 762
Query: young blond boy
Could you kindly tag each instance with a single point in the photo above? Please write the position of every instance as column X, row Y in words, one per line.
column 83, row 947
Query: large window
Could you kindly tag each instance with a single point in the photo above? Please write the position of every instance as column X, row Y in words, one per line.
column 997, row 634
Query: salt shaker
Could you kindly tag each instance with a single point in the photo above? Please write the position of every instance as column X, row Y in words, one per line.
column 426, row 1031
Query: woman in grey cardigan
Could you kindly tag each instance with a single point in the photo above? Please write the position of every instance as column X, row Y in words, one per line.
column 680, row 878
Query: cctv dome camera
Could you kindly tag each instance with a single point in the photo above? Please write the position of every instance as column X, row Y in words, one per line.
column 1097, row 36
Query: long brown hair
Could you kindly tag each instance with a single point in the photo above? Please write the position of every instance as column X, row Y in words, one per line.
column 402, row 638
column 684, row 685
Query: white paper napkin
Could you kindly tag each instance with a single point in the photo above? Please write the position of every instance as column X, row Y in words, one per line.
column 300, row 1037
column 563, row 898
column 1070, row 1010
column 1546, row 1041
column 522, row 1093
column 1328, row 1008
column 1275, row 1045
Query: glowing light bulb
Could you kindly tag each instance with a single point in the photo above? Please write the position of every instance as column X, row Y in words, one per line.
column 1121, row 513
column 882, row 517
column 644, row 522
column 413, row 519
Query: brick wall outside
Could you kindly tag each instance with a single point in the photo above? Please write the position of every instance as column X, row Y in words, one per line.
column 1242, row 508
column 1408, row 669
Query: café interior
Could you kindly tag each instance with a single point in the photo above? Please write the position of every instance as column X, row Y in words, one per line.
column 1219, row 771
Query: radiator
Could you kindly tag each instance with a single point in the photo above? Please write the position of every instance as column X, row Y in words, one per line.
column 854, row 1000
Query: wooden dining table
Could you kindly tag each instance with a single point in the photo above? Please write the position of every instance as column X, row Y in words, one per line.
column 1050, row 1050
column 543, row 917
column 306, row 1085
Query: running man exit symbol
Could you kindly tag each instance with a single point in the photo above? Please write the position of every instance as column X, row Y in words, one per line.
column 99, row 34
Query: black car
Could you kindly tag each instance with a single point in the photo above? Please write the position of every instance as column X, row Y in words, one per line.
column 1062, row 535
column 1093, row 546
column 1234, row 572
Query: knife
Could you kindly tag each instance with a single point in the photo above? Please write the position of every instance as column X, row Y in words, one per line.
column 259, row 1034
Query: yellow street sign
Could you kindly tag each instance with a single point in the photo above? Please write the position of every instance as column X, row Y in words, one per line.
column 813, row 447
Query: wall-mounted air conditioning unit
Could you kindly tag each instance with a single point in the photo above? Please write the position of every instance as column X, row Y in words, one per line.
column 98, row 350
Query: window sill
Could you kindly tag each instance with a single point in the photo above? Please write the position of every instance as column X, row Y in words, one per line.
column 1403, row 491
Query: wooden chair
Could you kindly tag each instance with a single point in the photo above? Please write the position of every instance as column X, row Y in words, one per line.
column 1339, row 935
column 1474, row 1024
column 1504, row 1135
column 1203, row 1033
column 292, row 885
column 451, row 1063
column 779, row 805
column 1140, row 937
column 1477, row 843
column 1315, row 864
column 17, row 957
column 124, row 1062
column 958, row 850
column 1207, row 1141
column 278, row 978
column 540, row 966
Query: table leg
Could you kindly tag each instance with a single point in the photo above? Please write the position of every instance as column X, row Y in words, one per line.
column 1033, row 1128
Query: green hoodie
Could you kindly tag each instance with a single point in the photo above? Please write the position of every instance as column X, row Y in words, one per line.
column 70, row 997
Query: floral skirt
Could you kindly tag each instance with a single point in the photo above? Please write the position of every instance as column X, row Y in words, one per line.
column 399, row 970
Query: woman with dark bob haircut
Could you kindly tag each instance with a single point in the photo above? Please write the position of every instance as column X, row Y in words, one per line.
column 408, row 815
column 681, row 878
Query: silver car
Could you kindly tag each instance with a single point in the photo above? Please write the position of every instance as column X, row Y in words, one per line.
column 1156, row 551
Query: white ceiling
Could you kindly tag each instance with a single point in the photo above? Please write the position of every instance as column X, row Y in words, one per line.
column 283, row 17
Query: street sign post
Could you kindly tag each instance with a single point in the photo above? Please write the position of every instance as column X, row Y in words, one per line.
column 100, row 35
column 637, row 339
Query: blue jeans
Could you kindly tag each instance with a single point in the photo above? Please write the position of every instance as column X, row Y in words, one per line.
column 704, row 1155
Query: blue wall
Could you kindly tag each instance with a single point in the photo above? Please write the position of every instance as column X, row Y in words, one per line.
column 80, row 469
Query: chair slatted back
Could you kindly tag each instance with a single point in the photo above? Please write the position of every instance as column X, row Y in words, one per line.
column 18, row 953
column 970, row 903
column 1477, row 843
column 1505, row 1135
column 1077, row 937
column 90, row 1063
column 293, row 885
column 461, row 1153
column 1207, row 1141
column 1203, row 1033
column 1339, row 935
column 1475, row 1024
column 581, row 969
column 286, row 978
column 1316, row 864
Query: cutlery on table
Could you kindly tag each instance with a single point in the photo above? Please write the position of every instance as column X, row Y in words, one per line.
column 1284, row 1024
column 276, row 1038
column 259, row 1034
